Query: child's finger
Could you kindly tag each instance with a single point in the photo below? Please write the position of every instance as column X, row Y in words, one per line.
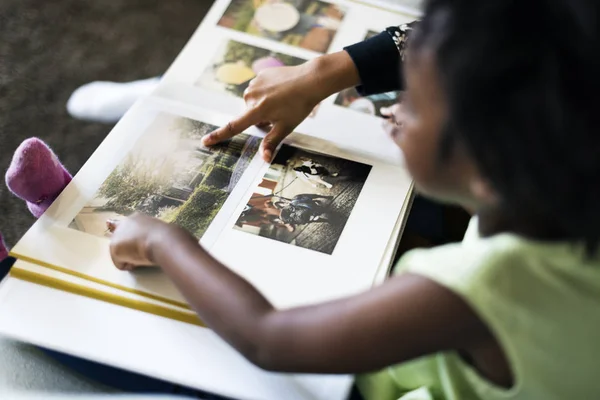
column 119, row 265
column 111, row 225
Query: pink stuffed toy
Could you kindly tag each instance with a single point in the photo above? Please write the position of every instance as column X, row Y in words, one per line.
column 37, row 176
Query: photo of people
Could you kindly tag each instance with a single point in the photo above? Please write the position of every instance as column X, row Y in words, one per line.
column 170, row 175
column 304, row 199
column 370, row 34
column 309, row 24
column 235, row 64
column 350, row 98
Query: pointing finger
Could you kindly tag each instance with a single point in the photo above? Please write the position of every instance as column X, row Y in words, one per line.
column 272, row 140
column 233, row 128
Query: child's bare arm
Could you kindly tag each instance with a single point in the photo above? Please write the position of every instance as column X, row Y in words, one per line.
column 407, row 317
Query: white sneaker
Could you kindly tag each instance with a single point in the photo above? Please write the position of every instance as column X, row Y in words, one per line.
column 107, row 102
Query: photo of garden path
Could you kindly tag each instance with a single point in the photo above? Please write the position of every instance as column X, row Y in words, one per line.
column 170, row 175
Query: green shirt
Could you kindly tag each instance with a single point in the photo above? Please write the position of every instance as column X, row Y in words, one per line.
column 540, row 299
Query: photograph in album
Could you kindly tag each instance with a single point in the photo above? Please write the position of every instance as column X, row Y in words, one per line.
column 309, row 24
column 304, row 199
column 235, row 64
column 371, row 104
column 170, row 175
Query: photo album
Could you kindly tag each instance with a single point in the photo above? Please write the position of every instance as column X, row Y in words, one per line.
column 319, row 222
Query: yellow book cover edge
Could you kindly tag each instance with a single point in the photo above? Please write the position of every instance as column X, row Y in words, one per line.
column 99, row 281
column 54, row 283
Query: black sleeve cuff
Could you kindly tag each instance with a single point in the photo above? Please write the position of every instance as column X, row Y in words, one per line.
column 378, row 63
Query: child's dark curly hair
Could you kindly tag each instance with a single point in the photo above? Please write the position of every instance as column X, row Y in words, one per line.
column 522, row 83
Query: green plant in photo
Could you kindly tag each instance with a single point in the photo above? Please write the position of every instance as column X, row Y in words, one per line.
column 167, row 214
column 236, row 52
column 312, row 9
column 199, row 210
column 134, row 181
column 244, row 16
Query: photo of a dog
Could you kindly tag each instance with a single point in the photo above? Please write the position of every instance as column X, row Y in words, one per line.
column 304, row 199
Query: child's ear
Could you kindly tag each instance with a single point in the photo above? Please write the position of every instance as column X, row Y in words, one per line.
column 483, row 191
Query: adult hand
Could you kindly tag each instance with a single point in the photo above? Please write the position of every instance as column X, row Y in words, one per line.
column 281, row 98
column 132, row 240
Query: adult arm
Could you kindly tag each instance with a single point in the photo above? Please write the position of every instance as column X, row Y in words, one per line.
column 378, row 60
column 281, row 98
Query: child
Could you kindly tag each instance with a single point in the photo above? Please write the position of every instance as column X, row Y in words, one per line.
column 500, row 117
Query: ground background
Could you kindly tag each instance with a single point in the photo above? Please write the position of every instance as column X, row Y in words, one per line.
column 49, row 48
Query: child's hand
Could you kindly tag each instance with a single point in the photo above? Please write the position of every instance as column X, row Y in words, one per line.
column 132, row 240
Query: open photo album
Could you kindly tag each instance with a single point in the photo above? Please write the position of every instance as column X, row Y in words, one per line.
column 321, row 221
column 312, row 225
column 318, row 222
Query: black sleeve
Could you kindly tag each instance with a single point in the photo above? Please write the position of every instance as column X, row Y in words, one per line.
column 378, row 60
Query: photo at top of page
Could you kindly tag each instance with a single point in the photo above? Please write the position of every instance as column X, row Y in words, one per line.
column 304, row 199
column 169, row 174
column 371, row 105
column 235, row 64
column 309, row 24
